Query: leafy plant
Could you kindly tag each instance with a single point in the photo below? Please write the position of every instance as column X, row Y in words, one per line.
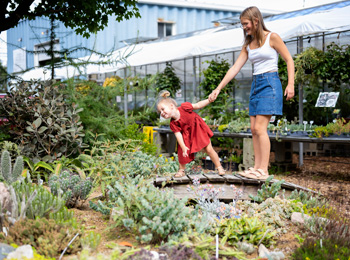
column 250, row 230
column 267, row 191
column 223, row 106
column 48, row 237
column 43, row 123
column 168, row 80
column 154, row 215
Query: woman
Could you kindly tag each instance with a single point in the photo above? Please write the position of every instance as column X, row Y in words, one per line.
column 261, row 47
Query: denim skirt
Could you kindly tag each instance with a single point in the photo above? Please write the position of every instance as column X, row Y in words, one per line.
column 266, row 96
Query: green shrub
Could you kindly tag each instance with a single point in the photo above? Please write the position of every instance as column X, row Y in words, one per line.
column 43, row 123
column 244, row 229
column 154, row 215
column 46, row 236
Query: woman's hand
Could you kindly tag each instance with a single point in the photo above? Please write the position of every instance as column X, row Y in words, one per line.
column 289, row 92
column 212, row 97
column 184, row 151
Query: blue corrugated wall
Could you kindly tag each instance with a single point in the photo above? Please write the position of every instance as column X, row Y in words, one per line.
column 29, row 33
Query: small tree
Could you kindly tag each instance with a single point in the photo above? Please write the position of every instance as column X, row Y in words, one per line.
column 223, row 106
column 168, row 80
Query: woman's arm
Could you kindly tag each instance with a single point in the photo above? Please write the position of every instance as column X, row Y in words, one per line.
column 231, row 73
column 181, row 142
column 281, row 48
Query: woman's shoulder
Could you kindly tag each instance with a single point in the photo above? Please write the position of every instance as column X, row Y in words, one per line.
column 274, row 36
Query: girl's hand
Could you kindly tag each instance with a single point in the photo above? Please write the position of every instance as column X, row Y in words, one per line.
column 184, row 151
column 289, row 92
column 212, row 97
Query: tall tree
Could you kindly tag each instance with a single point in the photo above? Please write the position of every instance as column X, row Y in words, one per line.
column 84, row 16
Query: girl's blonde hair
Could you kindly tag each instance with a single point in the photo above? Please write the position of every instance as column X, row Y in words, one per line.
column 164, row 96
column 253, row 14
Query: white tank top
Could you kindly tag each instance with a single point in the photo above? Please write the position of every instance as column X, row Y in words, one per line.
column 264, row 59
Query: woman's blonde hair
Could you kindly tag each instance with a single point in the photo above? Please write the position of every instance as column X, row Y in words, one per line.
column 164, row 96
column 253, row 14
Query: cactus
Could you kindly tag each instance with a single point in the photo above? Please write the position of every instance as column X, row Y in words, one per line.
column 10, row 175
column 71, row 186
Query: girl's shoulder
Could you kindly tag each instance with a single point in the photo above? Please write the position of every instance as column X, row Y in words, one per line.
column 187, row 106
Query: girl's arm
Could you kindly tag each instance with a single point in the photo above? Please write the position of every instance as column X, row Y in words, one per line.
column 281, row 48
column 231, row 73
column 201, row 104
column 181, row 142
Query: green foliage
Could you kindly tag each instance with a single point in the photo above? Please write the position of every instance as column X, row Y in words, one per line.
column 71, row 186
column 168, row 80
column 91, row 241
column 43, row 123
column 313, row 203
column 239, row 125
column 273, row 211
column 10, row 175
column 316, row 249
column 223, row 106
column 250, row 230
column 154, row 215
column 101, row 117
column 75, row 15
column 194, row 243
column 46, row 236
column 44, row 204
column 267, row 191
column 335, row 65
column 315, row 71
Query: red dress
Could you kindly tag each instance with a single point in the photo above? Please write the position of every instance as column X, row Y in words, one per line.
column 195, row 132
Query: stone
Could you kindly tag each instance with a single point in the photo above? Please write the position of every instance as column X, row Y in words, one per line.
column 22, row 252
column 264, row 252
column 5, row 250
column 298, row 217
column 5, row 197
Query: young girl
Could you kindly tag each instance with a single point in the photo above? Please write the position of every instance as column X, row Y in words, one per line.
column 261, row 47
column 191, row 132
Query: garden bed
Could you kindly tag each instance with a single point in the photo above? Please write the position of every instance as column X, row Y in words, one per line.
column 320, row 174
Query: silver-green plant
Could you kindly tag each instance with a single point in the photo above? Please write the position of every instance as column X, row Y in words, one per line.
column 11, row 175
column 40, row 202
column 267, row 190
column 70, row 186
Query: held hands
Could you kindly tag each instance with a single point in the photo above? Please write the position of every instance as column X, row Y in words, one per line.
column 213, row 95
column 289, row 92
column 184, row 151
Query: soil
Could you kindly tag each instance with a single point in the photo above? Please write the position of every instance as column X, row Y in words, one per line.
column 328, row 175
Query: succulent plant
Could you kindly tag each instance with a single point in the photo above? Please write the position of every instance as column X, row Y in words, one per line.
column 10, row 175
column 70, row 186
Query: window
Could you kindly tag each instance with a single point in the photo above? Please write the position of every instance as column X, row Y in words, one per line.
column 165, row 29
column 42, row 56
